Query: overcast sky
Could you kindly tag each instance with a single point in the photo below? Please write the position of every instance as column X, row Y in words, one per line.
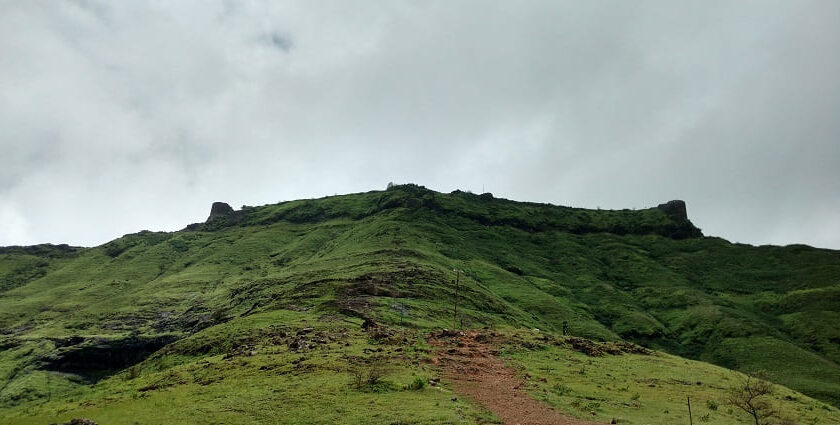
column 122, row 116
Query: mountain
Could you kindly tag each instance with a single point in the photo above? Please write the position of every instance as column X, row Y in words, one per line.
column 160, row 313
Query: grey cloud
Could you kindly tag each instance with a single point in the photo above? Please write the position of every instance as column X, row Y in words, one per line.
column 134, row 115
column 280, row 41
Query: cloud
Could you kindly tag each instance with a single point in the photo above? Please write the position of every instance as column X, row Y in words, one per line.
column 279, row 41
column 115, row 117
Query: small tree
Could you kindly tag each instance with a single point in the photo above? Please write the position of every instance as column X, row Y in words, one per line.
column 368, row 373
column 750, row 395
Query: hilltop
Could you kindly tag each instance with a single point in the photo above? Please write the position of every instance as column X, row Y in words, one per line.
column 188, row 316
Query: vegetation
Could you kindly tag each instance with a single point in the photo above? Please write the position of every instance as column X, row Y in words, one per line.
column 644, row 388
column 171, row 319
column 751, row 396
column 256, row 370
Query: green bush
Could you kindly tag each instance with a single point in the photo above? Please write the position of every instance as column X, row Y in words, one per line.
column 562, row 390
column 417, row 384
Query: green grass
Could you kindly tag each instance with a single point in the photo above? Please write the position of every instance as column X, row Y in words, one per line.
column 250, row 375
column 646, row 389
column 638, row 275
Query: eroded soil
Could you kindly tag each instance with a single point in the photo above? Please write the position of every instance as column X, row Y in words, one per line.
column 469, row 360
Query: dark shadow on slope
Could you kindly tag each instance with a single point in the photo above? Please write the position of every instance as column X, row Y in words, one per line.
column 97, row 359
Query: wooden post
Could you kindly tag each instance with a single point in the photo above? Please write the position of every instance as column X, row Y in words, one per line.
column 690, row 420
column 457, row 284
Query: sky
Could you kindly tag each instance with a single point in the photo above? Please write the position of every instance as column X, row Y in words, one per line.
column 117, row 117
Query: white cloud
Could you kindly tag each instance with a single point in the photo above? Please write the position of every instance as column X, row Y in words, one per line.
column 13, row 225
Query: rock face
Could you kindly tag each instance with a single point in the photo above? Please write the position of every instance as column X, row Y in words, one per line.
column 219, row 209
column 81, row 421
column 675, row 209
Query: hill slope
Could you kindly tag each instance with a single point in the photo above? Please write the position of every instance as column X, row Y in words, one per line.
column 647, row 276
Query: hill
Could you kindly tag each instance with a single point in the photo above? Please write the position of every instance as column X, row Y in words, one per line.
column 174, row 318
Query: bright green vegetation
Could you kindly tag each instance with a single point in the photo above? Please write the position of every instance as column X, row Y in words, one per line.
column 644, row 276
column 244, row 371
column 646, row 389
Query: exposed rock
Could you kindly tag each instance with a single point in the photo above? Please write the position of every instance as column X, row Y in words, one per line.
column 675, row 209
column 369, row 324
column 300, row 344
column 449, row 333
column 66, row 342
column 219, row 209
column 80, row 421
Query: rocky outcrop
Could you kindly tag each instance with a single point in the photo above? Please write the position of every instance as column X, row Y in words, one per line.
column 675, row 209
column 80, row 421
column 219, row 209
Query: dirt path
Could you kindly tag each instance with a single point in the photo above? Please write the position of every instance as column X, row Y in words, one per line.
column 469, row 362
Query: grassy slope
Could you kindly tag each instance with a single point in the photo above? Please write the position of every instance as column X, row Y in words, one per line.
column 611, row 274
column 244, row 372
column 636, row 388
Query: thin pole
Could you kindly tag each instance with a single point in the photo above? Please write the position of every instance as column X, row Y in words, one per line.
column 690, row 420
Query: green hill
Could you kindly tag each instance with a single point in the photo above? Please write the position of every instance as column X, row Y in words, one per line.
column 76, row 322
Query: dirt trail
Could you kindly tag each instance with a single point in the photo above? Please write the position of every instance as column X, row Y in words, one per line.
column 468, row 360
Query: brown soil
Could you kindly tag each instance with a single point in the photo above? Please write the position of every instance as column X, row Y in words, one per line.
column 469, row 361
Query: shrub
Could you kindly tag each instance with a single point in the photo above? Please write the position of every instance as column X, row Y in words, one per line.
column 178, row 245
column 562, row 390
column 368, row 374
column 592, row 406
column 417, row 384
